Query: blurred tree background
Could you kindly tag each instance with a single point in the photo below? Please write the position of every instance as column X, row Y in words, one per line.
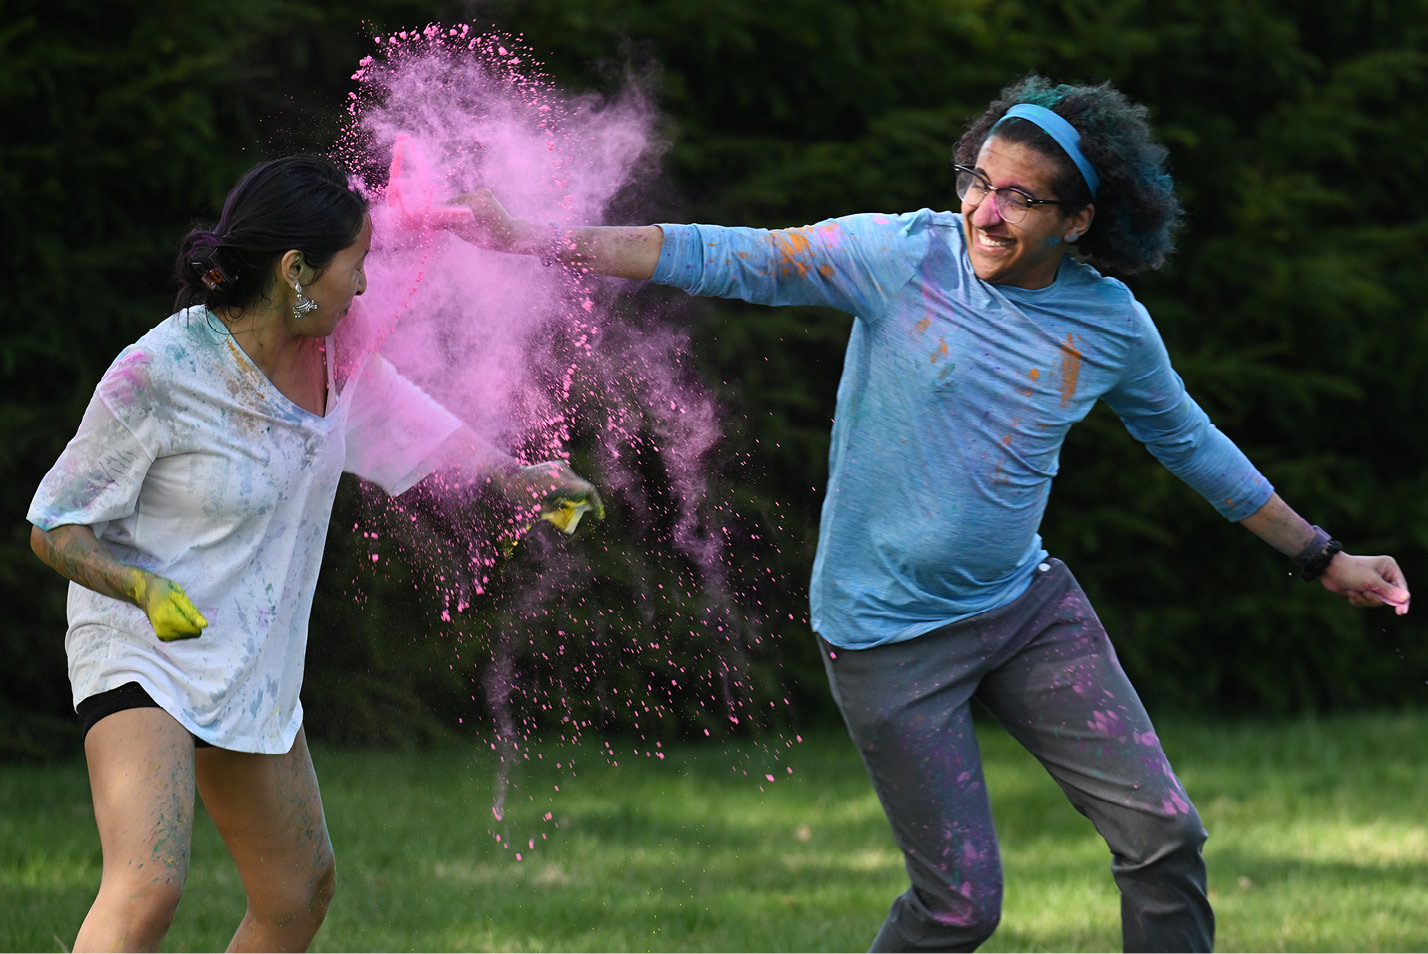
column 1292, row 311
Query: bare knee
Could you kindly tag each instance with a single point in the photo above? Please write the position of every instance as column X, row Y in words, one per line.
column 299, row 903
column 153, row 908
column 324, row 886
column 129, row 914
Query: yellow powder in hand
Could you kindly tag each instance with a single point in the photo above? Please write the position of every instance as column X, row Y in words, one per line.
column 565, row 514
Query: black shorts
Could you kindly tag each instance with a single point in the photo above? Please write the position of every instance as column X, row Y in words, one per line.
column 131, row 695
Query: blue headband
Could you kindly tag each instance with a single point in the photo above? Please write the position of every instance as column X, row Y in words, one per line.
column 1063, row 132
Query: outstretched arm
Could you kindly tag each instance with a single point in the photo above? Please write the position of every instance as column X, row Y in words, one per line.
column 74, row 552
column 1364, row 580
column 618, row 251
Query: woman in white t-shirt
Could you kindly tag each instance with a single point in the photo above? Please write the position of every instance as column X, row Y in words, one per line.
column 190, row 512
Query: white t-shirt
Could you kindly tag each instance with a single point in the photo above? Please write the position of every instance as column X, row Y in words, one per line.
column 189, row 463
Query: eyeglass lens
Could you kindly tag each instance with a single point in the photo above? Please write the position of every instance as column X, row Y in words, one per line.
column 972, row 189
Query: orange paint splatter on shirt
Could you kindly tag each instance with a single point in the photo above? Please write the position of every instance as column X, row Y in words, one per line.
column 1070, row 369
column 1007, row 439
column 941, row 351
column 922, row 326
column 790, row 244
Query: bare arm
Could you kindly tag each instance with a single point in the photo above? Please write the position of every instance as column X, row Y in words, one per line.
column 618, row 251
column 1364, row 580
column 74, row 552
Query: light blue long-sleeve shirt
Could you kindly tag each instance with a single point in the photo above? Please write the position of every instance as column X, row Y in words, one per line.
column 955, row 399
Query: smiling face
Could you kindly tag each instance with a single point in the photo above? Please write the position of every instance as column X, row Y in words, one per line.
column 1028, row 253
column 344, row 278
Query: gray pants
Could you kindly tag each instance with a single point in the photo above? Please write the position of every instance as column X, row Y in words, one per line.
column 1044, row 667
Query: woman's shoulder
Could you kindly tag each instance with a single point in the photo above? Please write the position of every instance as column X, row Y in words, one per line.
column 181, row 332
column 179, row 347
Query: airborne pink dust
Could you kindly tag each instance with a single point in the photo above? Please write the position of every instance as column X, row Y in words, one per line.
column 606, row 641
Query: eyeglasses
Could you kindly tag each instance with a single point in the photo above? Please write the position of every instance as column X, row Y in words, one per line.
column 1012, row 203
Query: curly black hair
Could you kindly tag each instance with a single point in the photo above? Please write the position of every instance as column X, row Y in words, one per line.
column 1137, row 211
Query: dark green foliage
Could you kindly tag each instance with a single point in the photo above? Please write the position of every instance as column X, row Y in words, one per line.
column 1292, row 309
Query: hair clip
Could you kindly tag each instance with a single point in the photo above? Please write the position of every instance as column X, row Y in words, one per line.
column 211, row 273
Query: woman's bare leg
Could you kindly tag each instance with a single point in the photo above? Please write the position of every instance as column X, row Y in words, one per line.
column 141, row 773
column 269, row 812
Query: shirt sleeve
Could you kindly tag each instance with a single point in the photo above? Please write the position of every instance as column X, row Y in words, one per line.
column 1151, row 400
column 854, row 264
column 98, row 475
column 394, row 428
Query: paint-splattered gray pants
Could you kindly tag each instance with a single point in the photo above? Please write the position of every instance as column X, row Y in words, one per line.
column 1044, row 667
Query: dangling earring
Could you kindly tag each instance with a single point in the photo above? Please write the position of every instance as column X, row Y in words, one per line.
column 303, row 305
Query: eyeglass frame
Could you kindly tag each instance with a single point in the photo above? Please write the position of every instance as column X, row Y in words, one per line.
column 991, row 190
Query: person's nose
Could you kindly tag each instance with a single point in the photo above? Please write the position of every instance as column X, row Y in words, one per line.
column 987, row 215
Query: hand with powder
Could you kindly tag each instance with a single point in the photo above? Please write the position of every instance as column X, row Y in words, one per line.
column 168, row 607
column 490, row 225
column 1367, row 581
column 74, row 551
column 562, row 496
column 411, row 192
column 617, row 251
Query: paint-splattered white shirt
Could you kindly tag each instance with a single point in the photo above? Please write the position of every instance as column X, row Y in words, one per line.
column 955, row 399
column 190, row 464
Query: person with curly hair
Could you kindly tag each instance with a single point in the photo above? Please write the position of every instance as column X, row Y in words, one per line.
column 977, row 343
column 190, row 512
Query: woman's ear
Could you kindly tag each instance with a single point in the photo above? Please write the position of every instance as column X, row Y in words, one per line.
column 1078, row 222
column 292, row 267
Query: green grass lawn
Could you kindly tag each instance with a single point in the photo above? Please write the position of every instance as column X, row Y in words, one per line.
column 1318, row 843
